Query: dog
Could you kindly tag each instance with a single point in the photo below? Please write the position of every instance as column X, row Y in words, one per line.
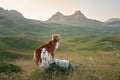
column 45, row 56
column 50, row 46
column 45, row 59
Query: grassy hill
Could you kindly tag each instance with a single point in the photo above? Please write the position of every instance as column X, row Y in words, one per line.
column 15, row 47
column 67, row 44
column 99, row 43
column 49, row 28
column 18, row 43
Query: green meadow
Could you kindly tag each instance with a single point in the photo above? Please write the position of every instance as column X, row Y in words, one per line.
column 96, row 57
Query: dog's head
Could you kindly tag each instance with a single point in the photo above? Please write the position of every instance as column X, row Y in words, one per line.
column 56, row 37
column 44, row 52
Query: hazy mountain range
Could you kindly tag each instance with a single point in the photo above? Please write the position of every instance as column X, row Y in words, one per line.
column 113, row 22
column 77, row 18
column 13, row 22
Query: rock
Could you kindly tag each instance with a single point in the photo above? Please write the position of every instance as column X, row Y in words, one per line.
column 44, row 66
column 61, row 63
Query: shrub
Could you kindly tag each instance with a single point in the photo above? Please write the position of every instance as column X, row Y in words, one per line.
column 54, row 72
column 8, row 68
column 117, row 75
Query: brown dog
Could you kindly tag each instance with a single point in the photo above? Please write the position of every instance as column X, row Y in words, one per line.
column 50, row 46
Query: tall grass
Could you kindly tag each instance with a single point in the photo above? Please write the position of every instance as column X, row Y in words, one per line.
column 92, row 65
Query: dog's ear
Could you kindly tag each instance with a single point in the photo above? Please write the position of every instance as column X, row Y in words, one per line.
column 54, row 35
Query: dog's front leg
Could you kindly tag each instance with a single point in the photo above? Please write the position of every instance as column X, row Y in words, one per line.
column 52, row 55
column 40, row 60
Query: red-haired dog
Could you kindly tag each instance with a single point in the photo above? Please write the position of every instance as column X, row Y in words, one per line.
column 50, row 46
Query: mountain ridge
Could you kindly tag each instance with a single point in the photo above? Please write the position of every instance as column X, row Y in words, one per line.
column 13, row 16
column 77, row 17
column 113, row 22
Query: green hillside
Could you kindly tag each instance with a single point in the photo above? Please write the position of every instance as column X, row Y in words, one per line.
column 18, row 44
column 99, row 43
column 15, row 47
column 46, row 29
column 22, row 44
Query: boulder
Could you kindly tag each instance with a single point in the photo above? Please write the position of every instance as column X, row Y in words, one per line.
column 61, row 63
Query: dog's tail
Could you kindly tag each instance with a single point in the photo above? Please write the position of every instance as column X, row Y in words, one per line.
column 36, row 57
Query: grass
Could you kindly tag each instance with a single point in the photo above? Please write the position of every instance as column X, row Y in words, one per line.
column 92, row 65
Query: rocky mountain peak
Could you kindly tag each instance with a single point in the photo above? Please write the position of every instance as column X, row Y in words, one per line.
column 77, row 12
column 1, row 9
column 58, row 13
column 12, row 14
column 77, row 17
column 15, row 13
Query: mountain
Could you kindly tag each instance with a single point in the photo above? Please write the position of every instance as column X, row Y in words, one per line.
column 13, row 14
column 60, row 18
column 10, row 16
column 77, row 18
column 77, row 24
column 13, row 17
column 113, row 22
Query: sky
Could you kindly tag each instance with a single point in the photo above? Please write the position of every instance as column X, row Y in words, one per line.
column 44, row 9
